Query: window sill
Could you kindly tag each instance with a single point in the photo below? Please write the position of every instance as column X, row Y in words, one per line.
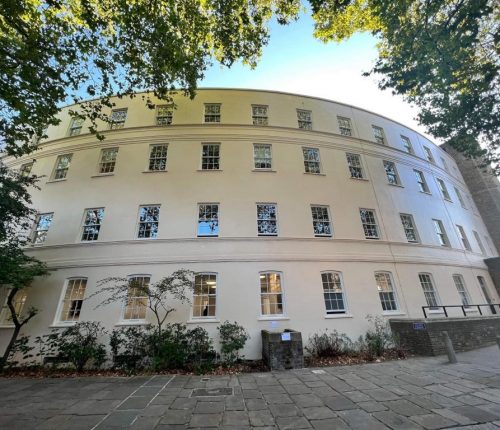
column 202, row 321
column 426, row 192
column 315, row 174
column 435, row 311
column 55, row 180
column 372, row 238
column 393, row 313
column 11, row 326
column 323, row 236
column 101, row 175
column 273, row 318
column 264, row 170
column 395, row 185
column 131, row 323
column 209, row 170
column 145, row 238
column 337, row 316
column 63, row 324
column 448, row 200
column 154, row 171
column 359, row 179
column 204, row 237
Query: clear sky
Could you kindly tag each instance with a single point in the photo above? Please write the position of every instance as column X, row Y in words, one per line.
column 294, row 61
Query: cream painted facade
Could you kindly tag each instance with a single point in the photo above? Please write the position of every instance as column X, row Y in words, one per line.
column 239, row 256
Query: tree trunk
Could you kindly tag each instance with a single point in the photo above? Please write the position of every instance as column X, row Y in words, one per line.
column 8, row 350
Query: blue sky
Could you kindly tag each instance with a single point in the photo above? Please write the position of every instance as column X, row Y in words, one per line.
column 294, row 61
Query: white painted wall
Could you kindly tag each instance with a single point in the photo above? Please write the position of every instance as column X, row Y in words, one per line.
column 238, row 254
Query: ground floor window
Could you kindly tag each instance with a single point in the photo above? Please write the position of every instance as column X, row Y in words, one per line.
column 429, row 291
column 271, row 294
column 386, row 291
column 137, row 300
column 205, row 295
column 18, row 302
column 73, row 299
column 333, row 293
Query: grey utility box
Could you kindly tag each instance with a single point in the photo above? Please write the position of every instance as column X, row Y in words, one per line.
column 282, row 350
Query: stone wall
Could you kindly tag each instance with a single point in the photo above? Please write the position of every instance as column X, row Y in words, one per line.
column 425, row 336
column 279, row 353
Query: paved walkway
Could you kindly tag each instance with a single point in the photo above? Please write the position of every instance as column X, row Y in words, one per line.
column 412, row 394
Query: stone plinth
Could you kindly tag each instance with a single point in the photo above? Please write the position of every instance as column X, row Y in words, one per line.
column 282, row 350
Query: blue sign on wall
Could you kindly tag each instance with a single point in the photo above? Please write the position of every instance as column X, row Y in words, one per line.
column 419, row 326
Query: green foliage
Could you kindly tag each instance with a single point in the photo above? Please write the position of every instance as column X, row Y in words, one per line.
column 329, row 344
column 180, row 348
column 129, row 347
column 21, row 349
column 232, row 339
column 80, row 345
column 54, row 52
column 378, row 339
column 441, row 56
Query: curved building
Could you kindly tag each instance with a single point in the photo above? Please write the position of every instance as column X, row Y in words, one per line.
column 295, row 212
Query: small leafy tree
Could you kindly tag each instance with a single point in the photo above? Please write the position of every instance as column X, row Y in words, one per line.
column 378, row 339
column 178, row 286
column 233, row 338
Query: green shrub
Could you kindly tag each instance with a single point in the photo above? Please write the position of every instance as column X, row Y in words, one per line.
column 329, row 344
column 79, row 345
column 232, row 339
column 378, row 339
column 130, row 348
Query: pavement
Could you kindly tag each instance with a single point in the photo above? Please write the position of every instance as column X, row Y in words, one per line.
column 418, row 393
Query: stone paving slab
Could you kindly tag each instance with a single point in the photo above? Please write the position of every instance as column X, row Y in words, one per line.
column 419, row 393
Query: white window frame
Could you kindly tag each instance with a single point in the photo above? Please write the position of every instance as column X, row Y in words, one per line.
column 345, row 126
column 270, row 220
column 445, row 165
column 375, row 223
column 156, row 161
column 19, row 304
column 211, row 219
column 210, row 157
column 139, row 222
column 215, row 116
column 392, row 164
column 304, row 119
column 428, row 155
column 60, row 308
column 413, row 228
column 56, row 176
column 75, row 126
column 308, row 163
column 322, row 220
column 25, row 169
column 407, row 145
column 388, row 276
column 255, row 158
column 84, row 225
column 463, row 238
column 464, row 293
column 340, row 312
column 440, row 232
column 423, row 187
column 460, row 197
column 479, row 242
column 444, row 190
column 35, row 235
column 282, row 292
column 164, row 115
column 116, row 125
column 260, row 118
column 125, row 304
column 216, row 296
column 355, row 164
column 434, row 291
column 104, row 165
column 379, row 135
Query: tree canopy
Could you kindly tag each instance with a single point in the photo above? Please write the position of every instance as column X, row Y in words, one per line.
column 441, row 55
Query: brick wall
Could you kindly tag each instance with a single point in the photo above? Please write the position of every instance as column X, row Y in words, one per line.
column 425, row 336
column 494, row 269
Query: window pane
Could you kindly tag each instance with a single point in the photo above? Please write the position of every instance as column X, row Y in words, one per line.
column 262, row 156
column 212, row 113
column 164, row 115
column 210, row 157
column 92, row 224
column 333, row 293
column 428, row 288
column 344, row 126
column 321, row 221
column 149, row 217
column 271, row 294
column 386, row 291
column 311, row 160
column 259, row 115
column 267, row 220
column 137, row 300
column 205, row 295
column 304, row 119
column 108, row 160
column 355, row 167
column 390, row 171
column 118, row 118
column 73, row 299
column 42, row 227
column 369, row 223
column 158, row 157
column 208, row 220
